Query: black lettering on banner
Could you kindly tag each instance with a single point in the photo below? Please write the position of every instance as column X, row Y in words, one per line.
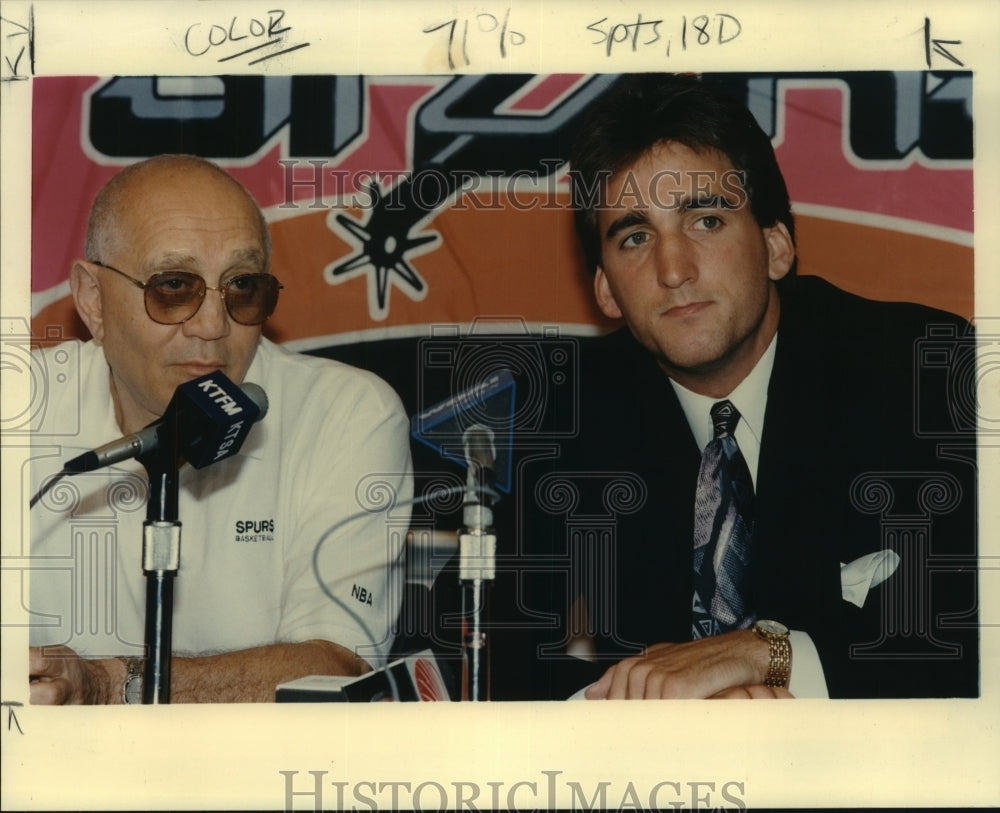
column 459, row 130
column 226, row 116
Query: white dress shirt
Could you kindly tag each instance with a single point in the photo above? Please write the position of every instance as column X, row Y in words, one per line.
column 750, row 400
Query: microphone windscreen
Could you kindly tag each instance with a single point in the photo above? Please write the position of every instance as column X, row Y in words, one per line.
column 215, row 416
column 479, row 445
column 256, row 394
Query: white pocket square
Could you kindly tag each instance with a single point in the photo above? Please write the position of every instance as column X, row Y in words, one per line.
column 861, row 575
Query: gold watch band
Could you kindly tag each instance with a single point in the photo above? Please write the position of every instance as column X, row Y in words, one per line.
column 779, row 669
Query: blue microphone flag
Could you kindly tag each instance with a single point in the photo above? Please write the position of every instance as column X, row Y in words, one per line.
column 489, row 403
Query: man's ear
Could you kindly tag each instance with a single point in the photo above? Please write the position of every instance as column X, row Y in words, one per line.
column 605, row 299
column 780, row 250
column 86, row 288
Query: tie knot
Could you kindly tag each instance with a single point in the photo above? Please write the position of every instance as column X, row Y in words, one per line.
column 724, row 418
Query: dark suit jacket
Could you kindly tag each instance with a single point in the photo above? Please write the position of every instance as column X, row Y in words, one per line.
column 868, row 444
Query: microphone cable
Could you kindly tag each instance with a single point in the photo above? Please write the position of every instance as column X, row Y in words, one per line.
column 47, row 487
column 362, row 624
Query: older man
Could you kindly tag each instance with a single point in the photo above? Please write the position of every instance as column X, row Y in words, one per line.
column 177, row 284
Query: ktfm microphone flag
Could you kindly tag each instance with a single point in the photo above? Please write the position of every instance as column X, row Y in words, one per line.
column 422, row 225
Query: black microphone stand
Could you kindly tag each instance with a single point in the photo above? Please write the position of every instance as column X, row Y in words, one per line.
column 477, row 544
column 161, row 554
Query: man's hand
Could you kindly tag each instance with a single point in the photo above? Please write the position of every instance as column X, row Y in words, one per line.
column 61, row 677
column 251, row 675
column 730, row 665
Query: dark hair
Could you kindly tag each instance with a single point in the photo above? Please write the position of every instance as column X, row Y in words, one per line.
column 641, row 110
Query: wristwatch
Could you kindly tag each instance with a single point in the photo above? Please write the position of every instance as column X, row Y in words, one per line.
column 779, row 670
column 132, row 687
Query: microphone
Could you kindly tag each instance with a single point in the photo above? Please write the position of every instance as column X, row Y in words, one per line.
column 480, row 453
column 213, row 417
column 480, row 494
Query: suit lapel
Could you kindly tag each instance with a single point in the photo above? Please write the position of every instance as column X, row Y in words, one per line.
column 672, row 459
column 801, row 474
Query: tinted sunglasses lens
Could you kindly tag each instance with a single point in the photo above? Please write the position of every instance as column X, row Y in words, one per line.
column 251, row 298
column 173, row 297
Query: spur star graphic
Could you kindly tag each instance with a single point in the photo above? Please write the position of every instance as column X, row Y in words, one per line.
column 384, row 247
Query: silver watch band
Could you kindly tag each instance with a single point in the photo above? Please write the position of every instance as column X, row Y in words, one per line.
column 132, row 685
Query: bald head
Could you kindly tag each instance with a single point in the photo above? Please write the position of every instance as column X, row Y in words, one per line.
column 104, row 228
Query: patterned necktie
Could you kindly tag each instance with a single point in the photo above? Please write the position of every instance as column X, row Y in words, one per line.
column 723, row 532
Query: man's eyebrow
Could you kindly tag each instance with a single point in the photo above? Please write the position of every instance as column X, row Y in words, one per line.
column 177, row 261
column 172, row 261
column 626, row 221
column 248, row 256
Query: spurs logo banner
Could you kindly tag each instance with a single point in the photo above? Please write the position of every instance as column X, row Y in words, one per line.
column 397, row 204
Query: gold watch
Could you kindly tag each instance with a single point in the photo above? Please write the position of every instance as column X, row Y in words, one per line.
column 779, row 670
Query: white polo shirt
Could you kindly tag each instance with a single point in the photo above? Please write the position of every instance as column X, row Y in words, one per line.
column 334, row 444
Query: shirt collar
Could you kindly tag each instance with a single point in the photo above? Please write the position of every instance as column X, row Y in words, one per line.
column 749, row 397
